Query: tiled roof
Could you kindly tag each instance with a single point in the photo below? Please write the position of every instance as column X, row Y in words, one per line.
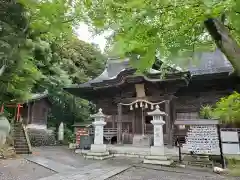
column 207, row 63
column 210, row 63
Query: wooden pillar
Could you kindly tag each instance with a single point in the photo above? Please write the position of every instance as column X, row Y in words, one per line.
column 32, row 113
column 133, row 123
column 173, row 118
column 168, row 120
column 28, row 113
column 119, row 125
column 113, row 121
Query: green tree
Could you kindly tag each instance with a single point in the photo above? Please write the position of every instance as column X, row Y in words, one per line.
column 169, row 28
column 18, row 73
column 70, row 61
column 39, row 52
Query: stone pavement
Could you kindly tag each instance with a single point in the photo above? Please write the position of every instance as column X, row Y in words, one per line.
column 69, row 166
column 58, row 163
column 21, row 169
column 137, row 173
column 97, row 171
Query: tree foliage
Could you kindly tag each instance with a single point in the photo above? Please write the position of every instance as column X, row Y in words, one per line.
column 226, row 110
column 39, row 51
column 169, row 28
column 15, row 56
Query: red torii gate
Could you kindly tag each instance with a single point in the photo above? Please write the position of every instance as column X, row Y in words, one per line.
column 17, row 106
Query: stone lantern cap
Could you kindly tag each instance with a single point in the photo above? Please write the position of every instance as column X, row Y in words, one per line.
column 99, row 114
column 157, row 112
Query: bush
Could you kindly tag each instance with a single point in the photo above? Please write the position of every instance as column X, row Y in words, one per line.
column 69, row 136
column 206, row 112
column 228, row 109
column 7, row 151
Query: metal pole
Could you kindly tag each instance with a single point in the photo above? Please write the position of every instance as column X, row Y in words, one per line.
column 142, row 123
column 179, row 150
column 220, row 147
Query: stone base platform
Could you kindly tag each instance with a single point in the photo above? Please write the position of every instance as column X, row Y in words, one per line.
column 98, row 155
column 157, row 156
column 128, row 150
column 158, row 160
column 98, row 152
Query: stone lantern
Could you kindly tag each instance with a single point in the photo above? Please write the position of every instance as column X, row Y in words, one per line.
column 98, row 127
column 157, row 155
column 98, row 149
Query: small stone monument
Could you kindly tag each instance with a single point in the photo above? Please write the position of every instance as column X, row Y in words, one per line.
column 157, row 155
column 4, row 129
column 61, row 132
column 98, row 149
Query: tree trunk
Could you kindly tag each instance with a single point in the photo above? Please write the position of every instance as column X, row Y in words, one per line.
column 225, row 42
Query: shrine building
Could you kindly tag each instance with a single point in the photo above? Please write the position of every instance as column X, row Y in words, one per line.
column 126, row 97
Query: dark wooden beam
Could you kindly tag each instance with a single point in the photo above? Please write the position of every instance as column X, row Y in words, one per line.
column 119, row 124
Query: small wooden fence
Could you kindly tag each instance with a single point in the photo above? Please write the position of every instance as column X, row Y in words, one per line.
column 109, row 133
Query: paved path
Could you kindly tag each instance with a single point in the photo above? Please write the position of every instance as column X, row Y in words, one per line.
column 68, row 165
column 96, row 171
column 137, row 173
column 62, row 164
column 21, row 169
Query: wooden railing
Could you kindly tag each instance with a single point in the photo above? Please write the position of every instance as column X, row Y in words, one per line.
column 108, row 133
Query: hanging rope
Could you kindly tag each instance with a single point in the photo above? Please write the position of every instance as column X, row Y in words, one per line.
column 142, row 103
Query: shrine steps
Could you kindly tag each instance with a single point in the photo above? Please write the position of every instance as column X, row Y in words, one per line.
column 158, row 160
column 98, row 155
column 21, row 140
column 198, row 161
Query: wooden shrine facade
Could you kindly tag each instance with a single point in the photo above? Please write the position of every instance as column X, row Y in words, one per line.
column 32, row 112
column 126, row 98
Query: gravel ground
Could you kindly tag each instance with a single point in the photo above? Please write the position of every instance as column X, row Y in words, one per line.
column 21, row 169
column 137, row 173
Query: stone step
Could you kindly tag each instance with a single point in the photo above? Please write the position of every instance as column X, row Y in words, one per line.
column 161, row 158
column 158, row 162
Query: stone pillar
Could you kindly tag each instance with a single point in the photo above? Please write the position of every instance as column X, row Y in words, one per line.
column 158, row 141
column 98, row 149
column 98, row 124
column 157, row 155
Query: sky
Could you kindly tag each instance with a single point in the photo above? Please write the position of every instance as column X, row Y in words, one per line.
column 85, row 34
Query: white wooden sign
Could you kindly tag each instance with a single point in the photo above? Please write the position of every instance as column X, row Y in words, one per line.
column 229, row 136
column 202, row 139
column 230, row 142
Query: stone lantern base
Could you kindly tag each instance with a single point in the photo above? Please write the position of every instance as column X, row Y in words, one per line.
column 157, row 157
column 98, row 152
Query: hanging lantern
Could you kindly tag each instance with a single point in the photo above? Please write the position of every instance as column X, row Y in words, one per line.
column 141, row 104
column 131, row 108
column 146, row 105
column 136, row 105
column 151, row 107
